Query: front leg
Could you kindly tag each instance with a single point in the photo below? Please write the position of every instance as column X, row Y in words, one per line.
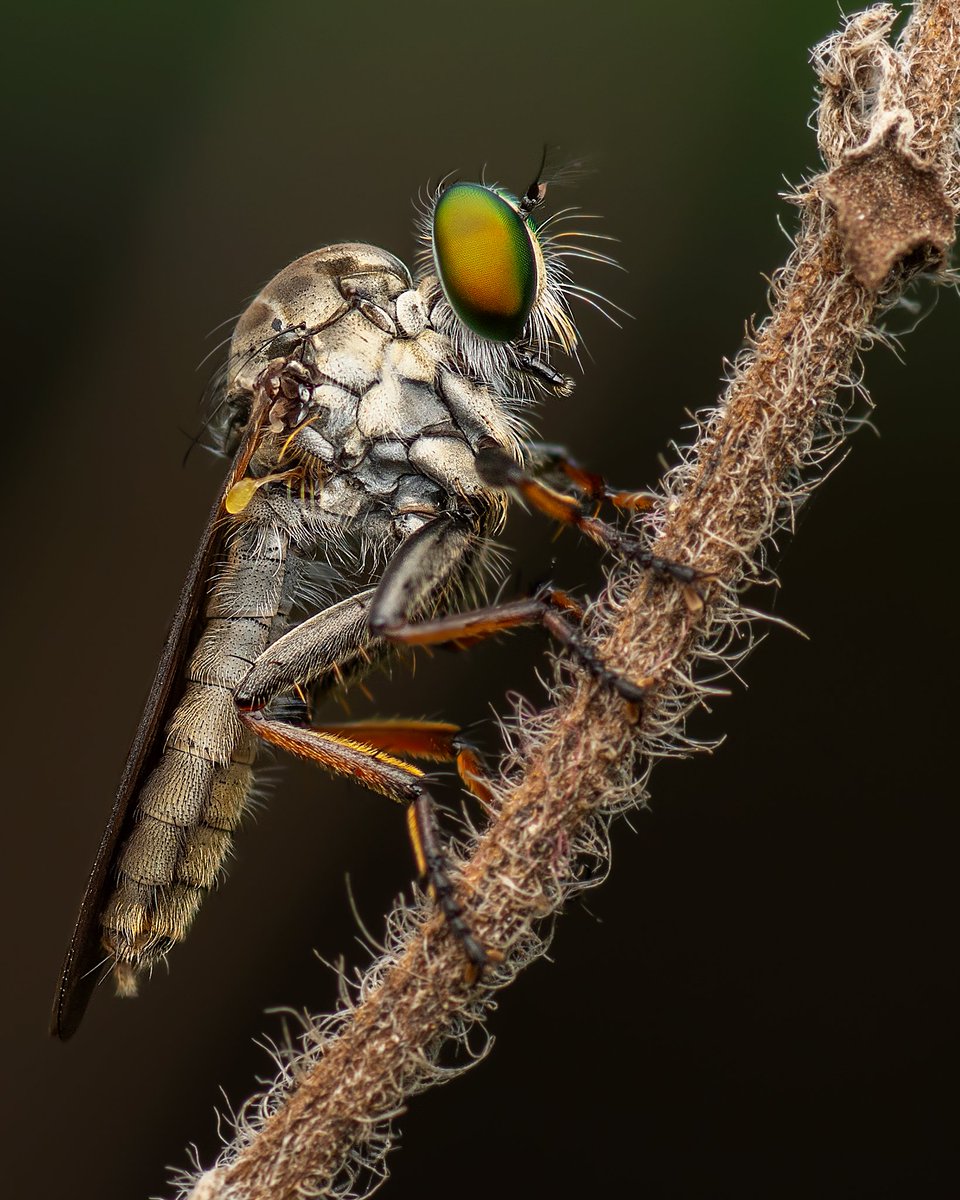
column 498, row 470
column 544, row 458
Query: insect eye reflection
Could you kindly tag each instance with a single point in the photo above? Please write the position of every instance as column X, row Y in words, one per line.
column 488, row 260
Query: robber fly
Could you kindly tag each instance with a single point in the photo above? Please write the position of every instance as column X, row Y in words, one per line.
column 371, row 418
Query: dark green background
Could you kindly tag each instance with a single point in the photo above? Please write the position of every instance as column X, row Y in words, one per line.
column 762, row 999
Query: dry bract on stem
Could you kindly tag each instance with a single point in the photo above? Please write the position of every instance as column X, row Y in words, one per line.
column 884, row 210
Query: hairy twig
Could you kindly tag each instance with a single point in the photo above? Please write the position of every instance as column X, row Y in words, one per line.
column 883, row 210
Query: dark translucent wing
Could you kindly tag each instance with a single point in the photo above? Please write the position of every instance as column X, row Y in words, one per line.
column 84, row 955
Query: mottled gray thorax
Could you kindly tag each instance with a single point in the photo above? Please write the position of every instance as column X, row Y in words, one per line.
column 394, row 425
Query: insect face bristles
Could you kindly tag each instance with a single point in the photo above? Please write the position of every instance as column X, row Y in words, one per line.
column 125, row 980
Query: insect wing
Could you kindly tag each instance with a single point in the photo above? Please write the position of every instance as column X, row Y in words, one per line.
column 80, row 974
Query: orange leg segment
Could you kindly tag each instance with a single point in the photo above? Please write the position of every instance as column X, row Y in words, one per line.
column 434, row 741
column 377, row 771
column 591, row 485
column 392, row 777
column 550, row 608
column 498, row 470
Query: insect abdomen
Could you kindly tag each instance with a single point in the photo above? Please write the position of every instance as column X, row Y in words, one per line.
column 197, row 792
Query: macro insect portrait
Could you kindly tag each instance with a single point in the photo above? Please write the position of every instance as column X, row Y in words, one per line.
column 432, row 676
column 377, row 423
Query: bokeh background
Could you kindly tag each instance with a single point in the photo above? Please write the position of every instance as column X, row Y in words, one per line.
column 761, row 1001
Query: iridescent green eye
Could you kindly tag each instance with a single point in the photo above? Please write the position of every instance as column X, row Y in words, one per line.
column 487, row 260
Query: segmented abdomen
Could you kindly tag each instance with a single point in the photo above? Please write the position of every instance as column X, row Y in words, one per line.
column 197, row 792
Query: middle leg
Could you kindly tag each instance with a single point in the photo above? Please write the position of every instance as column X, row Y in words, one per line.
column 550, row 608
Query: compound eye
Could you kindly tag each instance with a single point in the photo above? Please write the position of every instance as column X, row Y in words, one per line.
column 486, row 259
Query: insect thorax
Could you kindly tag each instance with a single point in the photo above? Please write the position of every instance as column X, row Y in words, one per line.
column 389, row 422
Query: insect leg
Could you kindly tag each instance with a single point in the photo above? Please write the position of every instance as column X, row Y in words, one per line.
column 399, row 595
column 399, row 781
column 544, row 458
column 434, row 741
column 497, row 470
column 343, row 635
column 330, row 641
column 327, row 643
column 346, row 634
column 549, row 608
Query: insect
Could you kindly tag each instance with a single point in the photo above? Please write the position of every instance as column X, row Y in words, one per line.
column 376, row 424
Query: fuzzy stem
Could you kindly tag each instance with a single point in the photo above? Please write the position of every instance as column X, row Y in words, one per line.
column 887, row 129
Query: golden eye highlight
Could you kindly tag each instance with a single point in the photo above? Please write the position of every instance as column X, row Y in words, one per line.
column 486, row 259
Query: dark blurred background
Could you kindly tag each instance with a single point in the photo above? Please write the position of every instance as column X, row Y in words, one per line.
column 761, row 1001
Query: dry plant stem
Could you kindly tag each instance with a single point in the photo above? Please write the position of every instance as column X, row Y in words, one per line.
column 886, row 113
